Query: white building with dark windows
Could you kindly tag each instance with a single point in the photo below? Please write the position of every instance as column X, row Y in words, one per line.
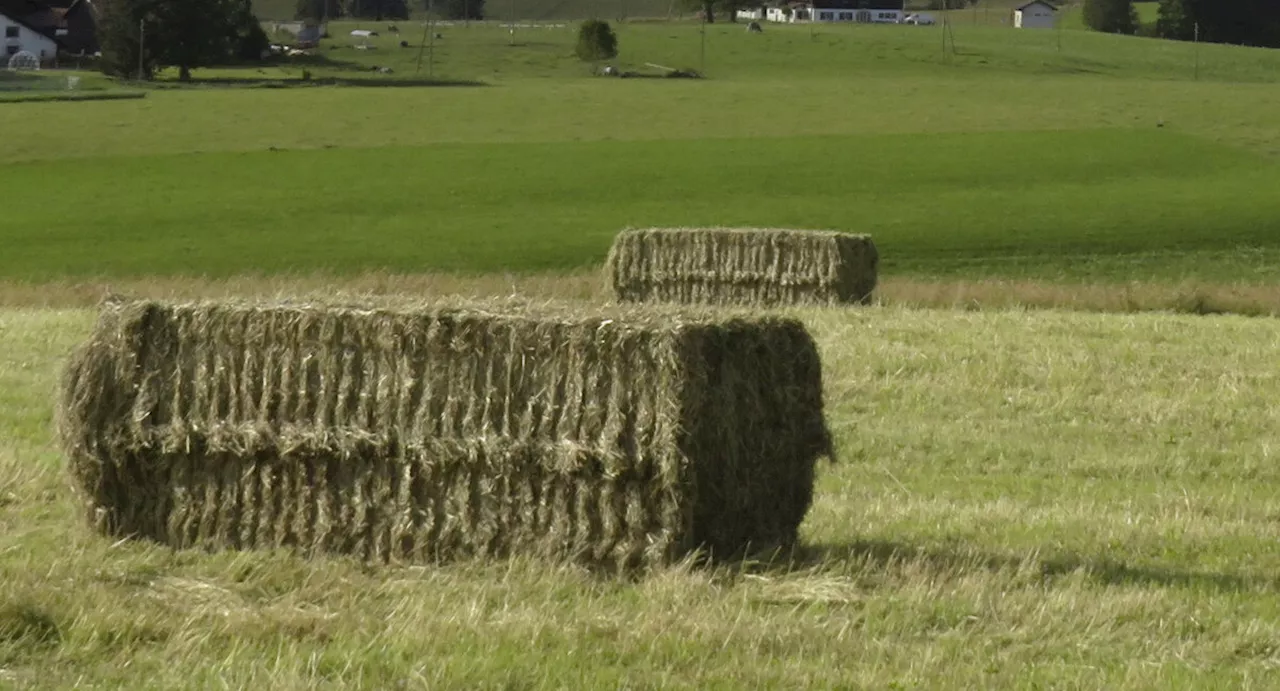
column 854, row 11
column 17, row 37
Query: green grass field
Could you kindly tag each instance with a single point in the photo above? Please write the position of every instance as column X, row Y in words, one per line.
column 1087, row 206
column 1000, row 161
column 1024, row 498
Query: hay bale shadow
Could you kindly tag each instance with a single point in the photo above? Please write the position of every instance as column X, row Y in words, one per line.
column 884, row 554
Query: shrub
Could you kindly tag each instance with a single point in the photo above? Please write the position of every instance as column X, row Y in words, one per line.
column 596, row 41
column 1111, row 16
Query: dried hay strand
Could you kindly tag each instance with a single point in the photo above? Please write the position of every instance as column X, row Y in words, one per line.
column 742, row 266
column 622, row 439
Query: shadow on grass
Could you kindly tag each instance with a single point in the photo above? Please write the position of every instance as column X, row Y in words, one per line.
column 348, row 69
column 300, row 83
column 883, row 554
column 41, row 97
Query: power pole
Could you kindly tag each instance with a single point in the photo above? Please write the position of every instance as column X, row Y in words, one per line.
column 512, row 30
column 702, row 51
column 431, row 52
column 142, row 47
column 421, row 45
column 1197, row 52
column 945, row 19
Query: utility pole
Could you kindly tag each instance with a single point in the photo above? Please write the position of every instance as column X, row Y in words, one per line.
column 702, row 51
column 421, row 45
column 945, row 19
column 142, row 46
column 431, row 52
column 512, row 30
column 1197, row 52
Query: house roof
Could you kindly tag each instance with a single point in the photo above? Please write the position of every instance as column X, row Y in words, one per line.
column 1035, row 2
column 32, row 14
column 42, row 17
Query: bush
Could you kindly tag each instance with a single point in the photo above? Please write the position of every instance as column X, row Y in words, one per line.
column 460, row 9
column 1111, row 16
column 596, row 41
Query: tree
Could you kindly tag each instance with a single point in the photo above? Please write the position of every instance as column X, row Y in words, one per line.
column 121, row 39
column 1111, row 16
column 248, row 39
column 1175, row 20
column 460, row 9
column 378, row 9
column 192, row 33
column 596, row 41
column 180, row 33
column 1246, row 22
column 318, row 9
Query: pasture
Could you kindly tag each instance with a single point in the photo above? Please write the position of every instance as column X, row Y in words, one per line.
column 1022, row 498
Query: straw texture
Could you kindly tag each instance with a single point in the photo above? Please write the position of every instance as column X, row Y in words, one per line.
column 727, row 266
column 428, row 433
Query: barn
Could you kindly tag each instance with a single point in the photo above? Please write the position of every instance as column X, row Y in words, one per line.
column 1035, row 15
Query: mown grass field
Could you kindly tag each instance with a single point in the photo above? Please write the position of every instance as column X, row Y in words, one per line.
column 1023, row 499
column 1088, row 205
column 996, row 162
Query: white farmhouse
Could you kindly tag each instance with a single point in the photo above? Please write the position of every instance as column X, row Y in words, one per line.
column 860, row 11
column 16, row 37
column 1034, row 15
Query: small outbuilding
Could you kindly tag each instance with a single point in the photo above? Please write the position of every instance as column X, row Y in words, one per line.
column 1035, row 15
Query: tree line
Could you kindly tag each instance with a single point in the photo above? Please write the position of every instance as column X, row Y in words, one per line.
column 386, row 9
column 1243, row 22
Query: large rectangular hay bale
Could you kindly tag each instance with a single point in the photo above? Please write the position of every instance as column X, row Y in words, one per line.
column 625, row 438
column 742, row 266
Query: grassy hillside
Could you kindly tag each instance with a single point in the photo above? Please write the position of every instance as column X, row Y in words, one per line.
column 1022, row 500
column 1119, row 172
column 787, row 52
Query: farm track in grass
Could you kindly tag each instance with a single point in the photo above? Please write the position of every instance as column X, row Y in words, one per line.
column 1021, row 498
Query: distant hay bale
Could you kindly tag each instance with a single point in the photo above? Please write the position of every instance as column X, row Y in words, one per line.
column 623, row 439
column 727, row 266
